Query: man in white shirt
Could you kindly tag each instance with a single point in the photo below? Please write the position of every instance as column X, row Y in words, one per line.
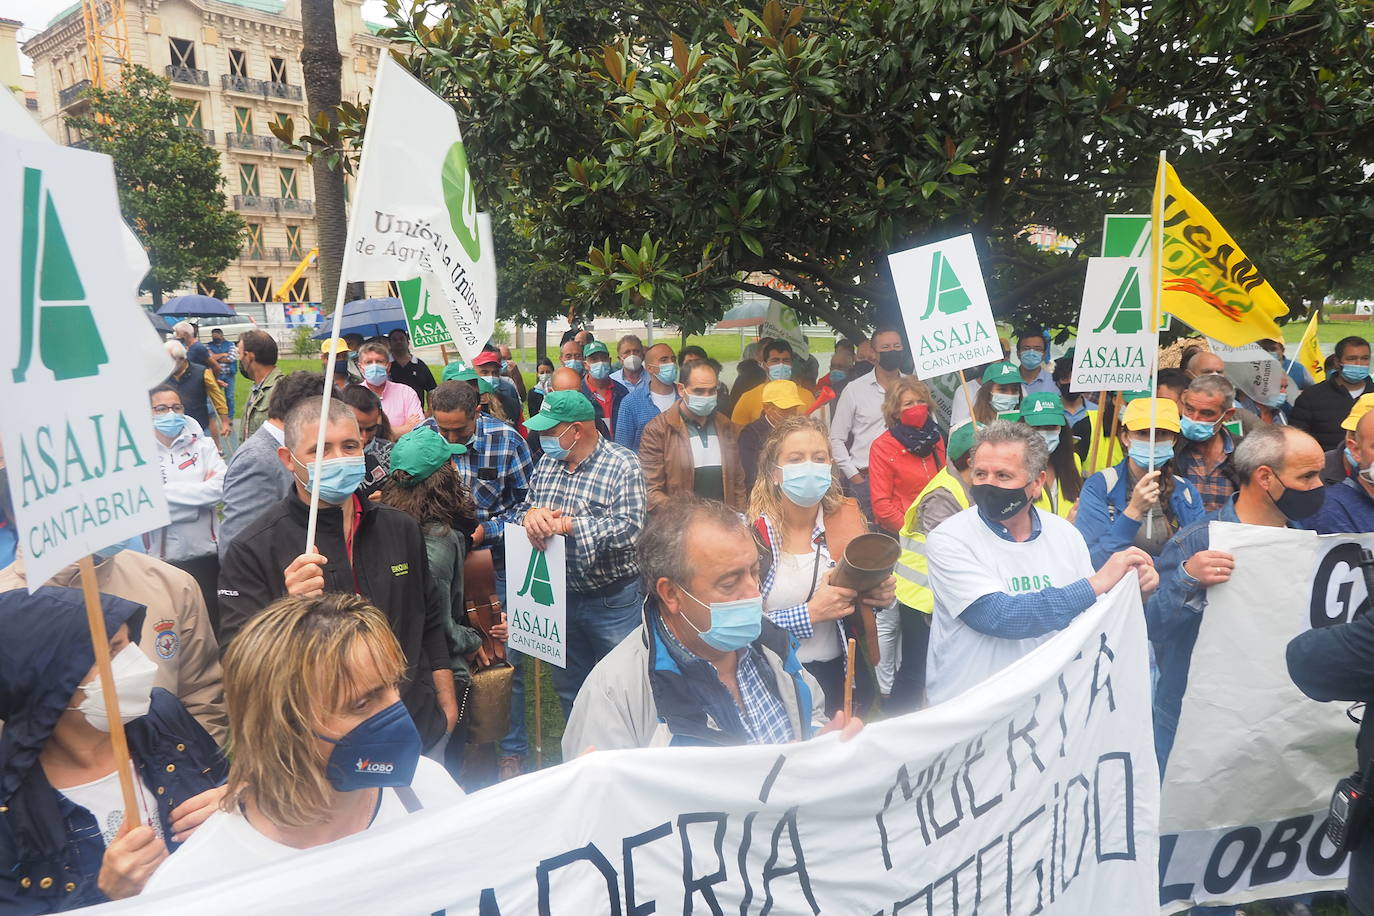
column 858, row 416
column 1006, row 577
column 283, row 800
column 630, row 351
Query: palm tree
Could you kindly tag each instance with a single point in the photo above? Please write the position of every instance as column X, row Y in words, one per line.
column 321, row 65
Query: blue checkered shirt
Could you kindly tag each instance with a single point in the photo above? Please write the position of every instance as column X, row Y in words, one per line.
column 497, row 446
column 606, row 499
column 636, row 411
column 795, row 619
column 761, row 710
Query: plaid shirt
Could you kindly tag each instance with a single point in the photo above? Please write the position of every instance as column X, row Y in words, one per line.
column 606, row 499
column 500, row 447
column 795, row 619
column 760, row 709
column 1213, row 483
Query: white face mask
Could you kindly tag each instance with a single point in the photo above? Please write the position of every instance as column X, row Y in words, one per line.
column 133, row 678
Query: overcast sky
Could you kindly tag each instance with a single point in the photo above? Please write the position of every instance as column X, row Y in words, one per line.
column 36, row 13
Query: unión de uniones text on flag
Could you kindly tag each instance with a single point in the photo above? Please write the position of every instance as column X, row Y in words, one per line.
column 1208, row 281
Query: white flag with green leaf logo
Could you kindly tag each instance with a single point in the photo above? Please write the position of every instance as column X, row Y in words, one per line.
column 80, row 456
column 415, row 215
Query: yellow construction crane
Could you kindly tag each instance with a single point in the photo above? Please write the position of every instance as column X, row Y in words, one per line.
column 284, row 293
column 107, row 41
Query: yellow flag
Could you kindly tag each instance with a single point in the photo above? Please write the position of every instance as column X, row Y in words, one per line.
column 1208, row 281
column 1310, row 352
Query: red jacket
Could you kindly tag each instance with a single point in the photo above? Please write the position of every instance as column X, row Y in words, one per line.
column 896, row 477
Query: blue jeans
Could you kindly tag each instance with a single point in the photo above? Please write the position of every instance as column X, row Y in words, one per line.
column 597, row 622
column 229, row 396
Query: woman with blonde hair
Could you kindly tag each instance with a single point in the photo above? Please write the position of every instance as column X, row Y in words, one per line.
column 802, row 522
column 906, row 457
column 321, row 746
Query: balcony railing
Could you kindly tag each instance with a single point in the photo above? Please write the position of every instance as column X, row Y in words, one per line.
column 188, row 75
column 72, row 93
column 248, row 141
column 207, row 136
column 264, row 88
column 261, row 253
column 287, row 206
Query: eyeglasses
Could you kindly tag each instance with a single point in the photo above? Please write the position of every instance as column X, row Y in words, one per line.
column 162, row 410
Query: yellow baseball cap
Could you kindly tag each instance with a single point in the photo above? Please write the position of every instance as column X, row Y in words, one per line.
column 336, row 344
column 1137, row 414
column 1362, row 406
column 782, row 394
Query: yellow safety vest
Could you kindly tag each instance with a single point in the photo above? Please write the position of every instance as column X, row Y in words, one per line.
column 913, row 583
column 1059, row 506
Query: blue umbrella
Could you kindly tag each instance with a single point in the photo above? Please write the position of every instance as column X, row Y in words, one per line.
column 195, row 307
column 368, row 317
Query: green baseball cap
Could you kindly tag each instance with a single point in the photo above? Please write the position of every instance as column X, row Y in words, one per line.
column 1129, row 396
column 458, row 372
column 1042, row 408
column 595, row 347
column 960, row 440
column 561, row 407
column 421, row 452
column 1002, row 374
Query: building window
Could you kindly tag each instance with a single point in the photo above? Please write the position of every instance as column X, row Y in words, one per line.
column 208, row 287
column 288, row 184
column 259, row 289
column 393, row 289
column 243, row 120
column 183, row 53
column 281, row 119
column 300, row 290
column 190, row 118
column 278, row 70
column 238, row 63
column 253, row 231
column 248, row 179
column 293, row 242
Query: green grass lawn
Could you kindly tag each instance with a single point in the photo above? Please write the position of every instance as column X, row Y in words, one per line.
column 1329, row 332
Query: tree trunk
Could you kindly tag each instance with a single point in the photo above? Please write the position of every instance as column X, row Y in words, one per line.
column 321, row 66
column 541, row 338
column 156, row 292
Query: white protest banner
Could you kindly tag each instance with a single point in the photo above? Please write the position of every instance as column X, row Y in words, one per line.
column 1034, row 792
column 781, row 323
column 78, row 433
column 1254, row 762
column 1253, row 370
column 1116, row 346
column 415, row 208
column 945, row 307
column 537, row 610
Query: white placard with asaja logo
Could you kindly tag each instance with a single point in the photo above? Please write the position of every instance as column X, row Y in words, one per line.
column 415, row 214
column 1115, row 350
column 79, row 448
column 537, row 596
column 945, row 306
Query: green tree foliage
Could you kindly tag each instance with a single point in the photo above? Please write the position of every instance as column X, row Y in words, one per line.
column 672, row 150
column 170, row 185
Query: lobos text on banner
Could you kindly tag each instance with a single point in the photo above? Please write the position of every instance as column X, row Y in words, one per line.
column 1034, row 792
column 79, row 448
column 945, row 307
column 415, row 210
column 1116, row 345
column 537, row 597
column 1231, row 838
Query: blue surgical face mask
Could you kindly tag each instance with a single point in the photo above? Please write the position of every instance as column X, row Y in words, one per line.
column 599, row 371
column 734, row 624
column 1277, row 399
column 701, row 405
column 837, row 376
column 1031, row 359
column 1051, row 437
column 1352, row 372
column 339, row 477
column 1004, row 402
column 553, row 446
column 375, row 373
column 1350, row 458
column 667, row 373
column 1196, row 430
column 573, row 364
column 780, row 371
column 1140, row 453
column 805, row 483
column 169, row 424
column 382, row 750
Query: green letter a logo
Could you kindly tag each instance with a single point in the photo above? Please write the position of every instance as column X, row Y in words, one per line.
column 461, row 200
column 537, row 583
column 946, row 292
column 68, row 339
column 1125, row 316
